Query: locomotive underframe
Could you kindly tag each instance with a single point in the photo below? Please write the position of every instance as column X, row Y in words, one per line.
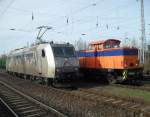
column 61, row 74
column 119, row 75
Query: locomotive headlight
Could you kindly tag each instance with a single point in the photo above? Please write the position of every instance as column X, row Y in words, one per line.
column 136, row 64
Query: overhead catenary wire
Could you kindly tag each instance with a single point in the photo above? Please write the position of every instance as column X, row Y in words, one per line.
column 78, row 11
column 78, row 21
column 81, row 9
column 6, row 8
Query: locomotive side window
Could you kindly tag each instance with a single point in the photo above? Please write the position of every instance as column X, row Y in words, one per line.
column 91, row 47
column 107, row 45
column 100, row 46
column 115, row 45
column 43, row 53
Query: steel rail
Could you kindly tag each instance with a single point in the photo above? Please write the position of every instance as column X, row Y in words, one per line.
column 9, row 108
column 35, row 101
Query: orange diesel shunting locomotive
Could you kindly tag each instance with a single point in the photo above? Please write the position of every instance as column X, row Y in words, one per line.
column 108, row 58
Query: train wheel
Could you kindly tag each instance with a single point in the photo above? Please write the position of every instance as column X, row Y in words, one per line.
column 25, row 77
column 54, row 82
column 49, row 82
column 43, row 81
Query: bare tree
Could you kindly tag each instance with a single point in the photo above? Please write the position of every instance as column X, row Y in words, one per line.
column 3, row 61
column 80, row 44
column 134, row 42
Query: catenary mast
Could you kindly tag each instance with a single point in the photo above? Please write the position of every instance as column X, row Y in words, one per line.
column 143, row 38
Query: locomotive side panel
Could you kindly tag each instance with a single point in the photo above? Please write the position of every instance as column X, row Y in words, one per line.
column 43, row 63
column 87, row 59
column 50, row 62
column 46, row 64
column 109, row 62
column 29, row 63
column 110, row 59
column 131, row 62
column 96, row 60
column 90, row 59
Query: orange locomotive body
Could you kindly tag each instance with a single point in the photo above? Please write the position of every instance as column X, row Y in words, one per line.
column 109, row 59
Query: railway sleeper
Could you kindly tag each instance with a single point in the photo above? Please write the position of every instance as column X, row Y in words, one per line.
column 117, row 102
column 17, row 101
column 10, row 96
column 128, row 106
column 42, row 114
column 13, row 98
column 146, row 111
column 109, row 100
column 21, row 105
column 25, row 108
column 30, row 112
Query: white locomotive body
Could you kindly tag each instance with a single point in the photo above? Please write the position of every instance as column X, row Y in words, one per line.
column 46, row 60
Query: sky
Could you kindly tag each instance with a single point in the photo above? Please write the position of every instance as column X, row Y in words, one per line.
column 70, row 20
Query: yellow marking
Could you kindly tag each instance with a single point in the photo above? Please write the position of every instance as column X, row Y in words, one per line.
column 125, row 74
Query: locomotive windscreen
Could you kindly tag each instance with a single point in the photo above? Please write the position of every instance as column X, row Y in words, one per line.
column 63, row 51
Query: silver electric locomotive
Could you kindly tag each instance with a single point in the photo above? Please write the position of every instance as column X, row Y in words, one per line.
column 45, row 61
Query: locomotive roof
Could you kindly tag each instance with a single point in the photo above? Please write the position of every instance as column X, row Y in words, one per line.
column 38, row 45
column 61, row 45
column 103, row 41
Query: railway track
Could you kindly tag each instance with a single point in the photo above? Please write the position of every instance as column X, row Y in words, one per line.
column 143, row 88
column 25, row 106
column 146, row 79
column 124, row 103
column 86, row 101
column 5, row 110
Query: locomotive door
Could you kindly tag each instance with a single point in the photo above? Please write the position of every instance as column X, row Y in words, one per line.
column 39, row 62
column 23, row 63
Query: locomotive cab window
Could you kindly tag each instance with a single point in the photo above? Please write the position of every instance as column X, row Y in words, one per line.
column 91, row 47
column 69, row 51
column 107, row 45
column 100, row 47
column 58, row 52
column 64, row 51
column 116, row 45
column 43, row 53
